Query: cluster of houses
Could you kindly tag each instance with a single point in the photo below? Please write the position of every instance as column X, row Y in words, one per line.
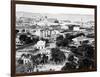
column 48, row 28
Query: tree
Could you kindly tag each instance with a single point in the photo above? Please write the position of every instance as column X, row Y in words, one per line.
column 60, row 38
column 89, row 51
column 17, row 31
column 56, row 21
column 77, row 51
column 68, row 66
column 62, row 43
column 86, row 63
column 35, row 39
column 23, row 30
column 23, row 37
column 70, row 36
column 57, row 55
column 20, row 61
column 70, row 57
column 27, row 40
column 44, row 59
column 90, row 36
column 79, row 34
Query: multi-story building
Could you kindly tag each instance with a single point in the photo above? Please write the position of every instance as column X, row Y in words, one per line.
column 40, row 45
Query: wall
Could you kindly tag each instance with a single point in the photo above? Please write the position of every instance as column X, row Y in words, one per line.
column 5, row 38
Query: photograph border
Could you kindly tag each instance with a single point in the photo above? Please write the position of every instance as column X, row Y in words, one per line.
column 13, row 35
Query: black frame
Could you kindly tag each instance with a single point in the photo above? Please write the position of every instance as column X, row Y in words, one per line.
column 13, row 35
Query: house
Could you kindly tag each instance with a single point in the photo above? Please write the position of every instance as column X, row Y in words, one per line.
column 78, row 40
column 18, row 42
column 26, row 59
column 40, row 45
column 64, row 27
column 76, row 28
column 37, row 32
column 47, row 33
column 70, row 26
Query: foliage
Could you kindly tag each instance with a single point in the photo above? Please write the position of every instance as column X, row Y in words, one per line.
column 69, row 66
column 27, row 40
column 17, row 31
column 86, row 63
column 57, row 55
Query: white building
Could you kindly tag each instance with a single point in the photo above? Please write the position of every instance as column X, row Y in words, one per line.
column 26, row 60
column 38, row 32
column 64, row 27
column 40, row 44
column 18, row 41
column 76, row 28
column 79, row 40
column 70, row 26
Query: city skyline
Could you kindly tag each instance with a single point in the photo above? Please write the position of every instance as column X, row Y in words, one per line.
column 71, row 17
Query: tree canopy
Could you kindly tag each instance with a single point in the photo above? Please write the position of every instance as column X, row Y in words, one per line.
column 57, row 55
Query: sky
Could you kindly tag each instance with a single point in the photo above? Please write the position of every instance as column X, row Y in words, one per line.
column 64, row 13
column 53, row 9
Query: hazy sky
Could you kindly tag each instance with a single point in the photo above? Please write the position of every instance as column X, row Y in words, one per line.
column 53, row 9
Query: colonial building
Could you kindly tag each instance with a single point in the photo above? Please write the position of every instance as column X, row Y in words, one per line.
column 40, row 45
column 70, row 26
